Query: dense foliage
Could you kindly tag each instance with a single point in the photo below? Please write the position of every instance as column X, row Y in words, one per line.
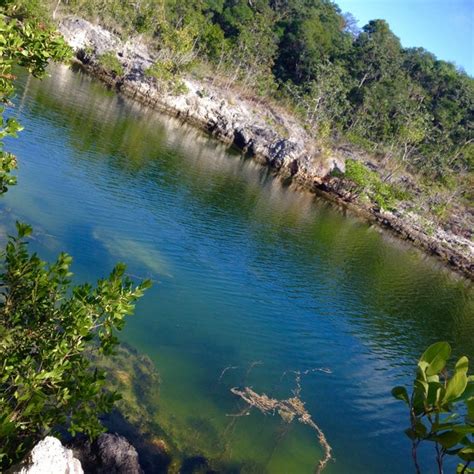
column 49, row 329
column 30, row 46
column 441, row 408
column 403, row 103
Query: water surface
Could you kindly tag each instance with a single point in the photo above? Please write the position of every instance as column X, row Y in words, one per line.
column 248, row 273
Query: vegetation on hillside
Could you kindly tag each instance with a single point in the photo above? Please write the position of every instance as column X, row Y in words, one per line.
column 49, row 329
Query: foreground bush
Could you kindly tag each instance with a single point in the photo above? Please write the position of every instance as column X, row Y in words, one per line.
column 441, row 408
column 48, row 328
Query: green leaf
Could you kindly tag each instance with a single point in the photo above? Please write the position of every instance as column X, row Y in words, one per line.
column 469, row 390
column 470, row 409
column 23, row 230
column 462, row 365
column 448, row 423
column 411, row 434
column 435, row 393
column 400, row 393
column 467, row 453
column 420, row 429
column 436, row 357
column 449, row 439
column 466, row 429
column 461, row 469
column 456, row 386
column 421, row 388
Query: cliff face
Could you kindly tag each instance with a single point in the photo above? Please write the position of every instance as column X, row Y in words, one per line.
column 270, row 135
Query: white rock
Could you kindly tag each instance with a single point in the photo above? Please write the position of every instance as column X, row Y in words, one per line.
column 49, row 456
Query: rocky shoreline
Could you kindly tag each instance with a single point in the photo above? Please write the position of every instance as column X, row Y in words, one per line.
column 110, row 453
column 270, row 136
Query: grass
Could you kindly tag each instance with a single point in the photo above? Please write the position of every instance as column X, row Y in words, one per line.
column 111, row 64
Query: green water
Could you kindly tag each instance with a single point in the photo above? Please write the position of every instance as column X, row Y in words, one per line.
column 246, row 270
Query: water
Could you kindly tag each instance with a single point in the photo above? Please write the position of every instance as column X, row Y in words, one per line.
column 248, row 273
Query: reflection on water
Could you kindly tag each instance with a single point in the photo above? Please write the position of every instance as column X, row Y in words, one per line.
column 246, row 270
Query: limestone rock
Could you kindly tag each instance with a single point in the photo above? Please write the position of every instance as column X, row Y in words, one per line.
column 49, row 456
column 238, row 120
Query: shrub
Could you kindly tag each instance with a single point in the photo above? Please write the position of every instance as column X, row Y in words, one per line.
column 48, row 330
column 111, row 64
column 441, row 408
column 359, row 141
column 165, row 72
column 162, row 71
column 368, row 183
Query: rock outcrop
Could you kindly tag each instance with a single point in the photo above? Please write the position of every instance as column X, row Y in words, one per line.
column 49, row 456
column 242, row 121
column 272, row 137
column 108, row 454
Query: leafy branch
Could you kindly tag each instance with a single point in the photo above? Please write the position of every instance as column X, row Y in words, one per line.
column 441, row 408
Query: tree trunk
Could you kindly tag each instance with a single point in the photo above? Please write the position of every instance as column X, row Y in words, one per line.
column 56, row 9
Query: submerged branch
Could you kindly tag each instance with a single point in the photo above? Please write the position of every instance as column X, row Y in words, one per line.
column 298, row 374
column 252, row 366
column 231, row 367
column 288, row 410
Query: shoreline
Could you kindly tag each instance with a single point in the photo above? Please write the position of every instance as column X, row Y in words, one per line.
column 271, row 138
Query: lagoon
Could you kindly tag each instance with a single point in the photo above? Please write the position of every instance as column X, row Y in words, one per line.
column 250, row 275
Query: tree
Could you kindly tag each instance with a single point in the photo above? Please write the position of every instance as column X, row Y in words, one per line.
column 48, row 328
column 324, row 99
column 249, row 45
column 376, row 55
column 350, row 24
column 255, row 50
column 30, row 46
column 312, row 33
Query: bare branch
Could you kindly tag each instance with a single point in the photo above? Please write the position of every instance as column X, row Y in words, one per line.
column 231, row 367
column 288, row 410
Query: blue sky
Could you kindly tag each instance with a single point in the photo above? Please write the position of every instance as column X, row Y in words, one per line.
column 444, row 27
